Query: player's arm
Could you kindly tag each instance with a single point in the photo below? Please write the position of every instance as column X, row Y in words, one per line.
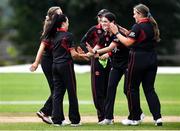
column 78, row 56
column 104, row 56
column 85, row 38
column 34, row 66
column 103, row 50
column 124, row 30
column 127, row 41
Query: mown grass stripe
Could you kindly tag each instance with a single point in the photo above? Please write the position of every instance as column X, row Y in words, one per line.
column 82, row 102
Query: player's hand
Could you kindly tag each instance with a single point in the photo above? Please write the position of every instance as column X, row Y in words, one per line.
column 113, row 28
column 33, row 67
column 89, row 54
column 79, row 50
column 90, row 49
column 104, row 56
column 84, row 57
column 96, row 55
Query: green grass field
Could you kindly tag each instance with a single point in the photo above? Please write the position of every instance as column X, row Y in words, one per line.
column 33, row 87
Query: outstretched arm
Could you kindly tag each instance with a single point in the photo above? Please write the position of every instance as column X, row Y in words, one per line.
column 102, row 50
column 78, row 55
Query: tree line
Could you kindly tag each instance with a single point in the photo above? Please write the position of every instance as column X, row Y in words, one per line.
column 28, row 17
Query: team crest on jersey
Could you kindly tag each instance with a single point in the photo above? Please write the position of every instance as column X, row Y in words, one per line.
column 132, row 34
column 97, row 73
column 107, row 38
column 99, row 31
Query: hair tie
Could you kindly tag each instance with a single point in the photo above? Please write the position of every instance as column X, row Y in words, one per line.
column 149, row 15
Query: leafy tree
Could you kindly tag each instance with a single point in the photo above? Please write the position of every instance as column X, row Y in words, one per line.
column 28, row 20
column 29, row 15
column 1, row 33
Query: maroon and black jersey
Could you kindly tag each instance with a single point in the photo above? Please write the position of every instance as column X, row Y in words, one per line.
column 48, row 47
column 143, row 33
column 120, row 53
column 92, row 37
column 62, row 44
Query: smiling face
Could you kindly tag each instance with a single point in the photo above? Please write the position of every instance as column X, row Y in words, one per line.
column 137, row 15
column 105, row 24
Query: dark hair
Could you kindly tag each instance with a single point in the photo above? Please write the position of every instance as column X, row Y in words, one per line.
column 48, row 20
column 59, row 20
column 110, row 16
column 101, row 12
column 56, row 23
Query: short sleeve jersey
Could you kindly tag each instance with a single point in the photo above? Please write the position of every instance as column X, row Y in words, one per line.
column 92, row 37
column 143, row 34
column 48, row 47
column 62, row 44
column 120, row 53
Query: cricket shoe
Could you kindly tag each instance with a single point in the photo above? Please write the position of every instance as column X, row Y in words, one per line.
column 76, row 124
column 128, row 122
column 45, row 118
column 106, row 122
column 142, row 117
column 63, row 123
column 158, row 122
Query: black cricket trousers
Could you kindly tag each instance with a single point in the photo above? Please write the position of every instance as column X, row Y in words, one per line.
column 46, row 64
column 114, row 78
column 99, row 84
column 142, row 68
column 64, row 78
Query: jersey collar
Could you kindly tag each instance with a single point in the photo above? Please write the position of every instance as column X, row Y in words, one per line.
column 98, row 26
column 144, row 20
column 61, row 29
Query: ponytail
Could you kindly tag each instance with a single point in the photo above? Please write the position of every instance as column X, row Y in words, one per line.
column 55, row 23
column 155, row 28
column 145, row 12
column 48, row 20
column 47, row 25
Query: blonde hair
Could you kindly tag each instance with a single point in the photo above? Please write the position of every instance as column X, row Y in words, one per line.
column 49, row 17
column 145, row 12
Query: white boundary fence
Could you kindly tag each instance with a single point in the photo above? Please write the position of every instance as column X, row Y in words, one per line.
column 78, row 69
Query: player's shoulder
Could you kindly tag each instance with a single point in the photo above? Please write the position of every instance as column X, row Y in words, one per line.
column 69, row 34
column 92, row 28
column 95, row 29
column 136, row 26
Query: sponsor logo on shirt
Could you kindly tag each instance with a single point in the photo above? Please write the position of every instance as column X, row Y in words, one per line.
column 97, row 73
column 99, row 31
column 107, row 38
column 115, row 50
column 132, row 34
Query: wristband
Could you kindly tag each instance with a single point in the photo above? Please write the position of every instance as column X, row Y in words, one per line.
column 117, row 33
